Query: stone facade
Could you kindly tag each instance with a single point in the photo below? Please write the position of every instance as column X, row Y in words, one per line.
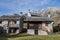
column 3, row 23
column 40, row 29
column 31, row 31
column 11, row 24
column 41, row 32
column 39, row 25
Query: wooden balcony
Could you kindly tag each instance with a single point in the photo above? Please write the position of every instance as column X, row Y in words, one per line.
column 11, row 25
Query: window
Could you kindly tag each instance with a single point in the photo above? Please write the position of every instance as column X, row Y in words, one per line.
column 32, row 26
column 15, row 22
column 0, row 22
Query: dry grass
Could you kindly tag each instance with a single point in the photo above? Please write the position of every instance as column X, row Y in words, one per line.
column 30, row 37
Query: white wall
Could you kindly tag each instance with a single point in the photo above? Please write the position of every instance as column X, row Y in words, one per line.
column 3, row 23
column 18, row 22
column 31, row 31
column 41, row 32
column 12, row 22
column 49, row 27
column 6, row 22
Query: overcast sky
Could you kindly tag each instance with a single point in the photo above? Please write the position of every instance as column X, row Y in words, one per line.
column 16, row 6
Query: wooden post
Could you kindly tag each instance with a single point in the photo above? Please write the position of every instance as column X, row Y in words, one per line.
column 27, row 25
column 21, row 24
column 8, row 27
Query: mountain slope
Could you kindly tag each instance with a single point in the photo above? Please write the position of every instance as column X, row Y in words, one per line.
column 54, row 12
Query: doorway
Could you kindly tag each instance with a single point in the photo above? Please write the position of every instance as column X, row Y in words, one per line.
column 13, row 30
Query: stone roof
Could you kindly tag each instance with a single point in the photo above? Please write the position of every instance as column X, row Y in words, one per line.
column 11, row 17
column 34, row 14
column 38, row 19
column 32, row 18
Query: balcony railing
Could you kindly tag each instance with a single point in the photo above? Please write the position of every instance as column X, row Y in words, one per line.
column 11, row 25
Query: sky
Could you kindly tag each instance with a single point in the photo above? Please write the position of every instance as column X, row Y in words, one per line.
column 9, row 7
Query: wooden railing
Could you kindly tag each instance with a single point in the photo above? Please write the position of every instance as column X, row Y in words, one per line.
column 11, row 25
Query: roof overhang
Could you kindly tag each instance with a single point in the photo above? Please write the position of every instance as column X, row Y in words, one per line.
column 38, row 19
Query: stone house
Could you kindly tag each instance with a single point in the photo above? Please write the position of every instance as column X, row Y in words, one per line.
column 36, row 24
column 11, row 24
column 39, row 25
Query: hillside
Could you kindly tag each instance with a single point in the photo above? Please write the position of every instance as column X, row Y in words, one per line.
column 54, row 12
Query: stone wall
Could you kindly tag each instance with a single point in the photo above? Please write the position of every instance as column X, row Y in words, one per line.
column 3, row 23
column 31, row 31
column 41, row 32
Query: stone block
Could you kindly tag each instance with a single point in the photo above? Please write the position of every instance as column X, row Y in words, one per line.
column 41, row 32
column 31, row 31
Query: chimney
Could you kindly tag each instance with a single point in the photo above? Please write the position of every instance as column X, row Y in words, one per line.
column 29, row 15
column 21, row 13
column 33, row 11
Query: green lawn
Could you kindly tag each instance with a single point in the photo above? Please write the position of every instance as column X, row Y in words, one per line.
column 30, row 37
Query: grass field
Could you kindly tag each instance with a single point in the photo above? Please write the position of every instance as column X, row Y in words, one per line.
column 24, row 36
column 30, row 37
